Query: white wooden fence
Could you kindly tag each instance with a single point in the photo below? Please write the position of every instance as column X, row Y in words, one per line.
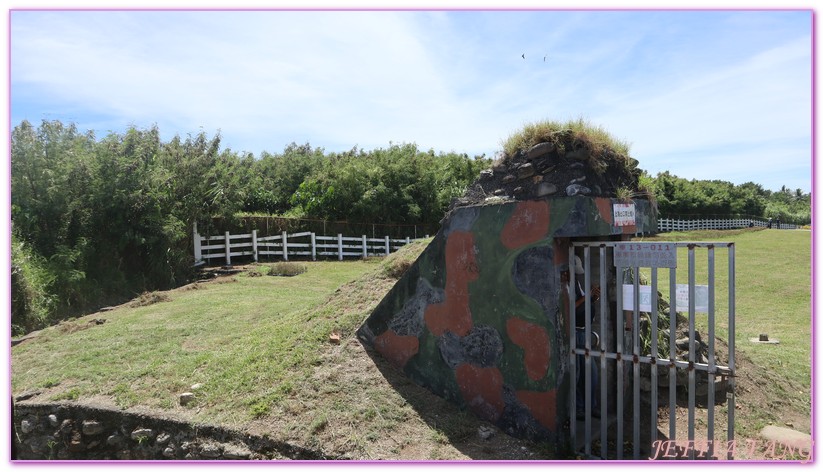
column 302, row 245
column 666, row 224
column 311, row 245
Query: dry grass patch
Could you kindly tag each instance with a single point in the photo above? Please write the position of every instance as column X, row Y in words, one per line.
column 148, row 298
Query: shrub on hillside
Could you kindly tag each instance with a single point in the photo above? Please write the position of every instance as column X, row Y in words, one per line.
column 286, row 269
column 31, row 303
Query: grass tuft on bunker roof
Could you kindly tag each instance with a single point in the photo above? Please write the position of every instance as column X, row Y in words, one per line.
column 580, row 130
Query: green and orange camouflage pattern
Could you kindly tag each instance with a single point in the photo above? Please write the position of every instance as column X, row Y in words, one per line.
column 478, row 318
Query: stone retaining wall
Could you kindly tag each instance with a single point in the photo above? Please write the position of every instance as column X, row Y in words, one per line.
column 61, row 431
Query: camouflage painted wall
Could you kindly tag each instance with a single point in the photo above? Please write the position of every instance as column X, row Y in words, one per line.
column 478, row 318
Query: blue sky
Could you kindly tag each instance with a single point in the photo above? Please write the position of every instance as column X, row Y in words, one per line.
column 703, row 94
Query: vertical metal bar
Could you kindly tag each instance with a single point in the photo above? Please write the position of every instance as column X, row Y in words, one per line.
column 388, row 247
column 572, row 355
column 636, row 365
column 730, row 395
column 619, row 333
column 604, row 308
column 365, row 248
column 653, row 354
column 339, row 247
column 710, row 418
column 587, row 290
column 691, row 350
column 672, row 354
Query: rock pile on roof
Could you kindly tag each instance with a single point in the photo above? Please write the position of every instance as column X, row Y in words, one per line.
column 557, row 161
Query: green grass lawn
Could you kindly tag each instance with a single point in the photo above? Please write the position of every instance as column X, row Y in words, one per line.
column 773, row 294
column 244, row 340
column 773, row 297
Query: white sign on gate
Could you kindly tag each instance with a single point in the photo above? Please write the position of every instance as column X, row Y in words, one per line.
column 701, row 298
column 645, row 297
column 624, row 214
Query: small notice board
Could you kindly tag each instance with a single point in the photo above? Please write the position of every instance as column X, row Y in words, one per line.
column 624, row 214
column 631, row 254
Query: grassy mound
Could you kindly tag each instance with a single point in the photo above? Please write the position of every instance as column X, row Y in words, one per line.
column 580, row 133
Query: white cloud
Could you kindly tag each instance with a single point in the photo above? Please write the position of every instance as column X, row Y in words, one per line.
column 448, row 81
column 317, row 71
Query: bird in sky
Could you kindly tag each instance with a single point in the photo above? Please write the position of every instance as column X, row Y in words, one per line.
column 523, row 55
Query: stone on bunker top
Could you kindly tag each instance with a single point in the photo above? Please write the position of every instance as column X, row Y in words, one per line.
column 555, row 160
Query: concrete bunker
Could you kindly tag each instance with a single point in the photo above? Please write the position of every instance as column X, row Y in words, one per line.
column 479, row 317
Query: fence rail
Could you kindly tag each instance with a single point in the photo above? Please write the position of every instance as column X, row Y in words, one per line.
column 667, row 224
column 311, row 245
column 283, row 246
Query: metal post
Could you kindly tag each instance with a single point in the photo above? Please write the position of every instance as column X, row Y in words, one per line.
column 572, row 354
column 388, row 248
column 339, row 247
column 710, row 419
column 636, row 365
column 653, row 354
column 587, row 284
column 730, row 396
column 672, row 353
column 620, row 333
column 365, row 250
column 285, row 247
column 691, row 350
column 604, row 308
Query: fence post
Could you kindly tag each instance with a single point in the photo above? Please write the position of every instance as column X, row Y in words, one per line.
column 365, row 250
column 198, row 251
column 228, row 249
column 339, row 247
column 313, row 247
column 285, row 247
column 388, row 248
column 254, row 244
column 407, row 240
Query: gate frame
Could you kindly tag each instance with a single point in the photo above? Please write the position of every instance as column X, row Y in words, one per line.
column 620, row 356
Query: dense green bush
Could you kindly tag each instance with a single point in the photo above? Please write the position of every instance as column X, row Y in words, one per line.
column 102, row 220
column 108, row 219
column 678, row 197
column 31, row 302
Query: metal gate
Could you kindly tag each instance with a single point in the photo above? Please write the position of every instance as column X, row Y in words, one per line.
column 623, row 361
